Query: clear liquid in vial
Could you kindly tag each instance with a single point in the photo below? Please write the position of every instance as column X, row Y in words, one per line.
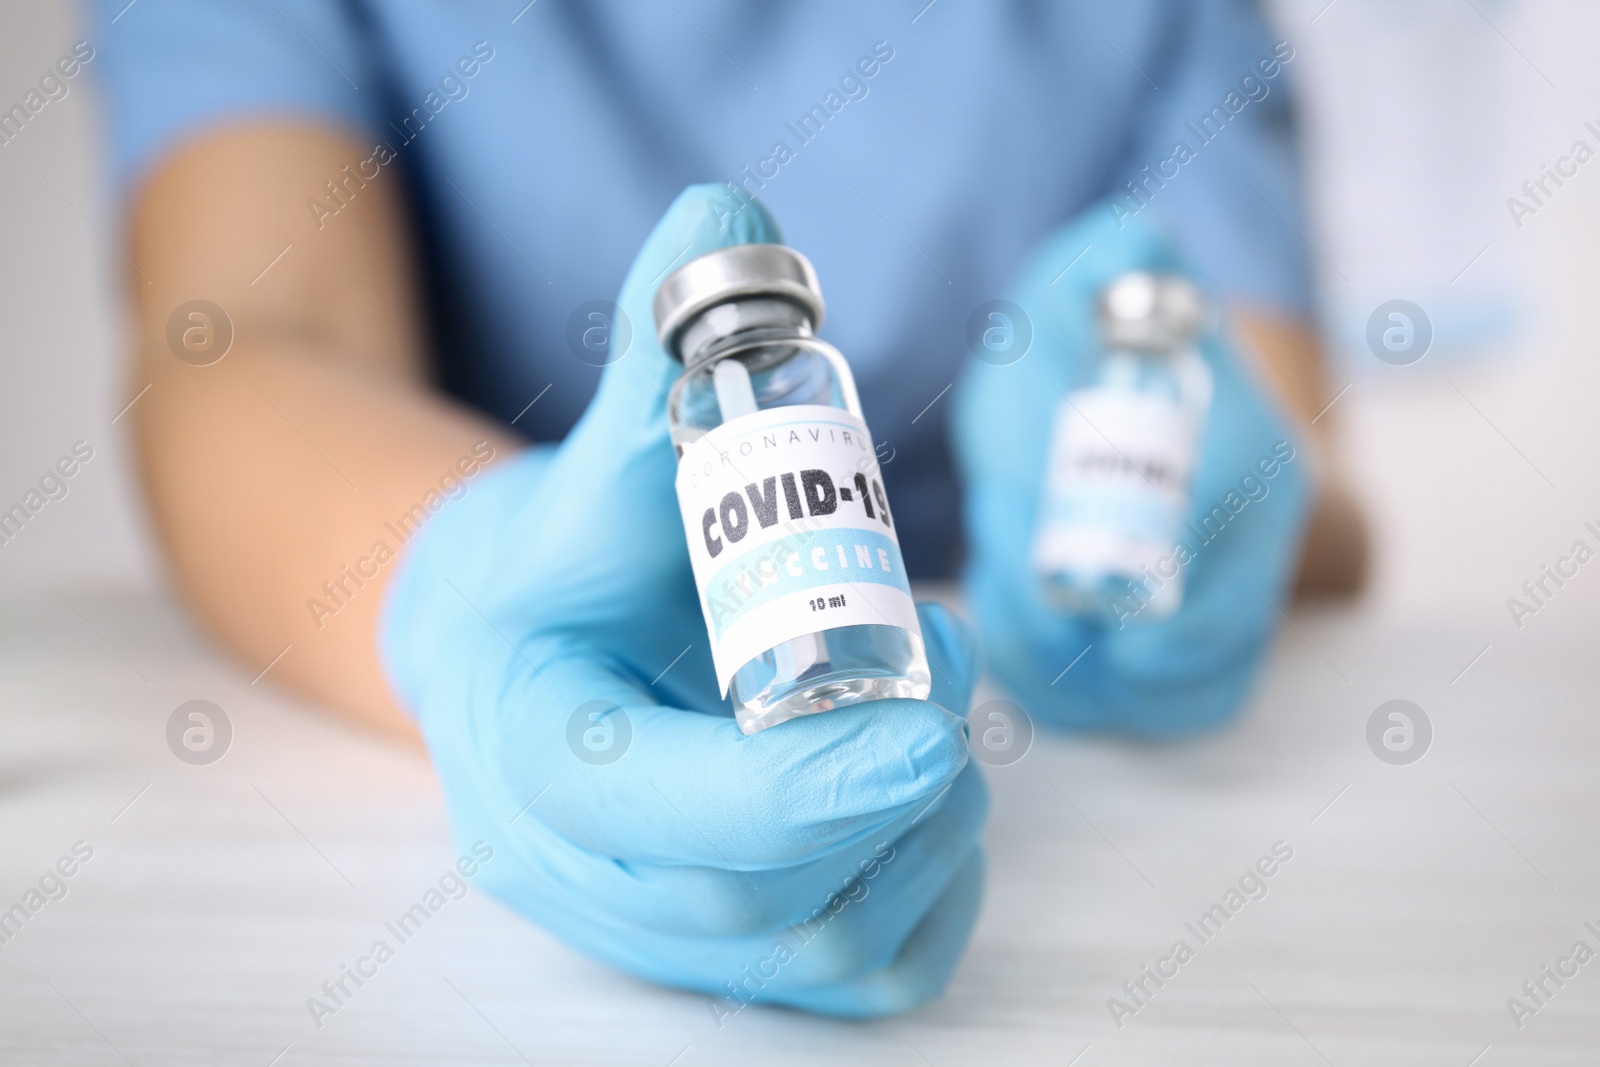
column 828, row 669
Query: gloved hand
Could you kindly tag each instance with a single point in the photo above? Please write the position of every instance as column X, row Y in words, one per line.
column 830, row 863
column 1153, row 676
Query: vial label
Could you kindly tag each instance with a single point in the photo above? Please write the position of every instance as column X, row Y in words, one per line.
column 1116, row 484
column 789, row 532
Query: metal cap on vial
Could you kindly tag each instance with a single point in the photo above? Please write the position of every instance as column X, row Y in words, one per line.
column 760, row 284
column 1145, row 310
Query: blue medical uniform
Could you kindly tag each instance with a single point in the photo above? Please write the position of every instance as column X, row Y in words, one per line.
column 915, row 152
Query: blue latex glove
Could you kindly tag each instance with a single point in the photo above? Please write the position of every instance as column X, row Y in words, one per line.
column 562, row 579
column 1156, row 676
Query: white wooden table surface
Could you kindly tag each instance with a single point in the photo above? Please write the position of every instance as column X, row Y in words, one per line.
column 218, row 898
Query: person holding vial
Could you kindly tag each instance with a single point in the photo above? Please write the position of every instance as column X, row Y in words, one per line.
column 439, row 455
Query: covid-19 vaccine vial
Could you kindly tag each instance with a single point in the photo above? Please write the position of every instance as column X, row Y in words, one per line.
column 1116, row 487
column 806, row 599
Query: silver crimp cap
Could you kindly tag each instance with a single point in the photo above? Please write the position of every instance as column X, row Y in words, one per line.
column 1152, row 311
column 737, row 273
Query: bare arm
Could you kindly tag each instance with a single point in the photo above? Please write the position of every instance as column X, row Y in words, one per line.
column 276, row 470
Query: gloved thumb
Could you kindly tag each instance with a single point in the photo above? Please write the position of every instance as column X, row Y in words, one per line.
column 1054, row 297
column 629, row 411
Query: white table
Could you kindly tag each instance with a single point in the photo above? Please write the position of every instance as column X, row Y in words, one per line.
column 219, row 898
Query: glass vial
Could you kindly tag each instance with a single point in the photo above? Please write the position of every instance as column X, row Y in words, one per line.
column 794, row 549
column 1117, row 481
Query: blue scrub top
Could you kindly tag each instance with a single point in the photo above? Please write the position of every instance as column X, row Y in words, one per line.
column 915, row 153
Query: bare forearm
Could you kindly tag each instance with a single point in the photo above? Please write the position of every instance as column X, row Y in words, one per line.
column 283, row 485
column 285, row 476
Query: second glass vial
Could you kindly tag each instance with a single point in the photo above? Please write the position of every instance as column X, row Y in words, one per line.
column 1116, row 490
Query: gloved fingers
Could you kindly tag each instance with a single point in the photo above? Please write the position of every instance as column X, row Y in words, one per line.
column 673, row 651
column 889, row 910
column 1153, row 675
column 625, row 777
column 1233, row 590
column 1191, row 670
column 862, row 927
column 920, row 970
column 922, row 849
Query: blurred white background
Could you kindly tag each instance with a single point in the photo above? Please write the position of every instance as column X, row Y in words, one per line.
column 1421, row 119
column 60, row 323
